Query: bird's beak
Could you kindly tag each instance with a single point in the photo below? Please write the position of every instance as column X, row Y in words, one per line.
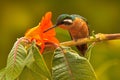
column 50, row 28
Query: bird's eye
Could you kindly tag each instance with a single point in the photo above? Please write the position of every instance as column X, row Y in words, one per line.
column 67, row 21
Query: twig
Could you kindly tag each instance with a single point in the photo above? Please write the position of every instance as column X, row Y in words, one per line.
column 98, row 37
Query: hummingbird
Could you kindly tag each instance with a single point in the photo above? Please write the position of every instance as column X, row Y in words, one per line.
column 76, row 25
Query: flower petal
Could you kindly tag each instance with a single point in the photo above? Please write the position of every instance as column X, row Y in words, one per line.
column 37, row 34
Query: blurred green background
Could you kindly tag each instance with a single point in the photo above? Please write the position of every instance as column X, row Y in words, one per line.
column 103, row 16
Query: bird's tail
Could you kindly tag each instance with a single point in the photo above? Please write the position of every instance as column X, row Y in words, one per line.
column 82, row 48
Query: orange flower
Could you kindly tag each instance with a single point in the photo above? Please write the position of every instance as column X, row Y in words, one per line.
column 37, row 34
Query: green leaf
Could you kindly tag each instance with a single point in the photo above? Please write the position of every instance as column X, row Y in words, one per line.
column 68, row 65
column 93, row 34
column 89, row 51
column 48, row 56
column 31, row 65
column 15, row 61
column 28, row 74
column 2, row 74
column 38, row 65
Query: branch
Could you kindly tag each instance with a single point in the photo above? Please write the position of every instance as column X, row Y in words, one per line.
column 98, row 37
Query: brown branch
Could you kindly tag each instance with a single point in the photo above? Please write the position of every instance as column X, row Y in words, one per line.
column 98, row 37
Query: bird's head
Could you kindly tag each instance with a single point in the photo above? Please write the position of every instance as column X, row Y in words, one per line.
column 67, row 21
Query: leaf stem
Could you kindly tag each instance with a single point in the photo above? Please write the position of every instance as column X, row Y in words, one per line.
column 98, row 37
